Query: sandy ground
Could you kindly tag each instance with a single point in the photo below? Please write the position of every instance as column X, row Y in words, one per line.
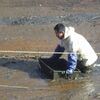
column 27, row 25
column 24, row 23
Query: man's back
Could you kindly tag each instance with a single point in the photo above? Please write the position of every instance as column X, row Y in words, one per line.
column 77, row 43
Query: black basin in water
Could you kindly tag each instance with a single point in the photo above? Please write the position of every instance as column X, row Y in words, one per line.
column 53, row 69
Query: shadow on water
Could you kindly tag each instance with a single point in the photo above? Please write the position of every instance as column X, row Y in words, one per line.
column 28, row 66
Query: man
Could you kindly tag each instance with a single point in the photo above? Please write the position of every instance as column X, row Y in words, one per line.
column 80, row 53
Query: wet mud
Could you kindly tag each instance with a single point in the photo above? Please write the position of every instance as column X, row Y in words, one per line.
column 22, row 79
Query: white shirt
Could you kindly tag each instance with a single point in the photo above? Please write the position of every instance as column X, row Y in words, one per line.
column 74, row 42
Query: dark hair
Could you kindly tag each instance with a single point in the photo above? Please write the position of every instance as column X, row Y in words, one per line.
column 59, row 28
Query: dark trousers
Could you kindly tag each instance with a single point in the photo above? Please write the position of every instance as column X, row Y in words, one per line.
column 83, row 68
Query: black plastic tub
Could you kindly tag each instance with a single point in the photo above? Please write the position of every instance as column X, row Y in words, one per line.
column 53, row 69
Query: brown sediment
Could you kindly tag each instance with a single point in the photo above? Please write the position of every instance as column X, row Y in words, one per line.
column 25, row 45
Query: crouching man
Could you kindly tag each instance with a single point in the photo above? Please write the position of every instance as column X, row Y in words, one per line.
column 80, row 53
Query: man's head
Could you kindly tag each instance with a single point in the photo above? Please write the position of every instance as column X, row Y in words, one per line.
column 59, row 30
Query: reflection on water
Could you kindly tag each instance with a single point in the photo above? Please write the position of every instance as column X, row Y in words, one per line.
column 73, row 90
column 89, row 87
column 85, row 92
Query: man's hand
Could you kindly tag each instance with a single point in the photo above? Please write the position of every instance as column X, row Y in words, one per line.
column 68, row 74
column 69, row 71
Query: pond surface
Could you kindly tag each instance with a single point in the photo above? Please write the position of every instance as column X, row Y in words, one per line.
column 21, row 79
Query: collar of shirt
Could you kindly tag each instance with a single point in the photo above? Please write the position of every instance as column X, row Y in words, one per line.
column 68, row 31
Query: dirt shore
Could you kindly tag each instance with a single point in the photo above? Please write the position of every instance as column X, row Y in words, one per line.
column 23, row 22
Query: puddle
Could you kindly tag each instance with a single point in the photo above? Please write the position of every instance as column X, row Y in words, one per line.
column 18, row 73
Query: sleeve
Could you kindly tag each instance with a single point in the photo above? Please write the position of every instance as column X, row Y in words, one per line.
column 58, row 49
column 72, row 61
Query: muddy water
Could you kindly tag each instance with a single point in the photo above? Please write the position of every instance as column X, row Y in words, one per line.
column 21, row 79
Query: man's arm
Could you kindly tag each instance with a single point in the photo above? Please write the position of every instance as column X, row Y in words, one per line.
column 58, row 49
column 72, row 63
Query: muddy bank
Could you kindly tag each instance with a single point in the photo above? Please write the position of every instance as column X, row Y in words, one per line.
column 29, row 3
column 36, row 33
column 28, row 24
column 69, row 19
